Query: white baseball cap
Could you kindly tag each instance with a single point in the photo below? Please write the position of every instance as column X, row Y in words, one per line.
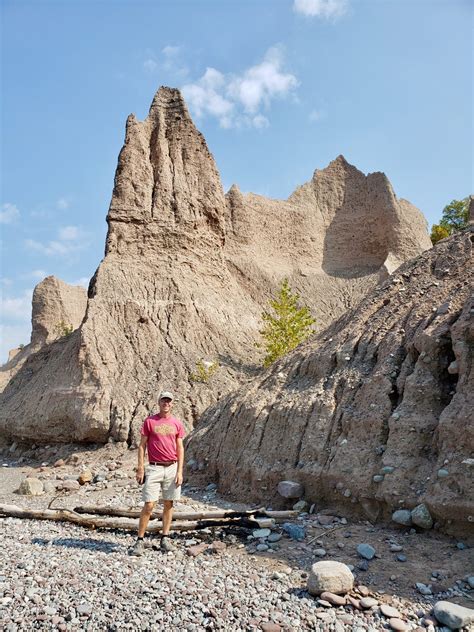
column 166, row 394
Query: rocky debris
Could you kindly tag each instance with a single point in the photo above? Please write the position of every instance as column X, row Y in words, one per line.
column 421, row 516
column 330, row 576
column 85, row 476
column 151, row 320
column 290, row 489
column 392, row 404
column 57, row 310
column 403, row 517
column 366, row 551
column 31, row 487
column 452, row 615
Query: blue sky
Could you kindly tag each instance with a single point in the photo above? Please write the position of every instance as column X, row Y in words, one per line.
column 278, row 87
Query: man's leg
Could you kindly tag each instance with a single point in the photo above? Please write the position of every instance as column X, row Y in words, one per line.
column 145, row 516
column 167, row 516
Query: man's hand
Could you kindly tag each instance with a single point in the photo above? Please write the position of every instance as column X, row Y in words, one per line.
column 179, row 479
column 140, row 475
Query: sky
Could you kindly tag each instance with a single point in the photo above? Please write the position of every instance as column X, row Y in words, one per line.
column 279, row 88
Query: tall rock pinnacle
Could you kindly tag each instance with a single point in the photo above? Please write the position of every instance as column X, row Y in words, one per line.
column 186, row 275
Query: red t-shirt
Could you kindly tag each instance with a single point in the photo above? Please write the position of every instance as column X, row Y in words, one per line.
column 162, row 435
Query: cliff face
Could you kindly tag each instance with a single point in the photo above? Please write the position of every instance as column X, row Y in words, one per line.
column 186, row 274
column 389, row 385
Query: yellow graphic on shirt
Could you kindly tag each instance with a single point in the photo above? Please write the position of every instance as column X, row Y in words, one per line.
column 164, row 429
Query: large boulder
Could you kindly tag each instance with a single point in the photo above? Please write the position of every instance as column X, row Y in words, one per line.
column 330, row 576
column 370, row 395
column 186, row 274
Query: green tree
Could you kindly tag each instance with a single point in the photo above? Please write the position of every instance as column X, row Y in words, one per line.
column 455, row 218
column 438, row 232
column 286, row 327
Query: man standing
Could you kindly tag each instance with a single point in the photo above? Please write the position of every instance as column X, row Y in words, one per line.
column 162, row 438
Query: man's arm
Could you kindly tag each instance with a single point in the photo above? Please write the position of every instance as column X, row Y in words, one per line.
column 180, row 452
column 141, row 459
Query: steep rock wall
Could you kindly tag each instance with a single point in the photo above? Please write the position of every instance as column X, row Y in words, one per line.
column 389, row 385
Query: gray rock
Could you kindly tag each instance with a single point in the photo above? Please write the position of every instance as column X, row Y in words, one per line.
column 290, row 489
column 368, row 602
column 442, row 473
column 402, row 516
column 388, row 469
column 395, row 548
column 366, row 551
column 262, row 547
column 31, row 487
column 301, row 506
column 423, row 589
column 274, row 537
column 452, row 615
column 421, row 516
column 470, row 581
column 401, row 557
column 378, row 478
column 261, row 533
column 320, row 552
column 330, row 576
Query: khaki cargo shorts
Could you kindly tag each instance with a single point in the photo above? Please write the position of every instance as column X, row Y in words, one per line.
column 161, row 477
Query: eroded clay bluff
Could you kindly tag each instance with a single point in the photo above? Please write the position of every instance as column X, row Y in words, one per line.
column 386, row 391
column 56, row 309
column 186, row 274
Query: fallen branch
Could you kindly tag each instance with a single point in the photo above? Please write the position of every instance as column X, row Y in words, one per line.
column 323, row 533
column 127, row 524
column 183, row 515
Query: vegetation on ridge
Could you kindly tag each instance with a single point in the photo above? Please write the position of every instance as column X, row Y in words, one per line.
column 455, row 218
column 287, row 327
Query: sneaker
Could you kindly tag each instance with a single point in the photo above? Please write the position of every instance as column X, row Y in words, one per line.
column 167, row 544
column 138, row 548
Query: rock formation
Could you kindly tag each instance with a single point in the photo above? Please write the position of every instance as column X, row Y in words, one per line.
column 186, row 274
column 375, row 413
column 57, row 309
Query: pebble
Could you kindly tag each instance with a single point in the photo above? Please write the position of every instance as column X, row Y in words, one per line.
column 395, row 548
column 423, row 589
column 398, row 625
column 274, row 537
column 368, row 602
column 389, row 611
column 401, row 557
column 366, row 550
column 320, row 552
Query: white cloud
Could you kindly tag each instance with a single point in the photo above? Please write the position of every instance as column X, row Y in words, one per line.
column 168, row 61
column 63, row 203
column 17, row 307
column 329, row 9
column 82, row 281
column 237, row 100
column 316, row 115
column 9, row 213
column 171, row 51
column 69, row 233
column 6, row 281
column 150, row 65
column 70, row 239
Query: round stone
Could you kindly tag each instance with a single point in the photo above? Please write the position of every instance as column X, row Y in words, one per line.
column 366, row 551
column 368, row 602
column 330, row 576
column 402, row 516
column 398, row 625
column 422, row 517
column 389, row 611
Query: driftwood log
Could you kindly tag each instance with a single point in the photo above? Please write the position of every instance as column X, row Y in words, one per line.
column 182, row 515
column 129, row 524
